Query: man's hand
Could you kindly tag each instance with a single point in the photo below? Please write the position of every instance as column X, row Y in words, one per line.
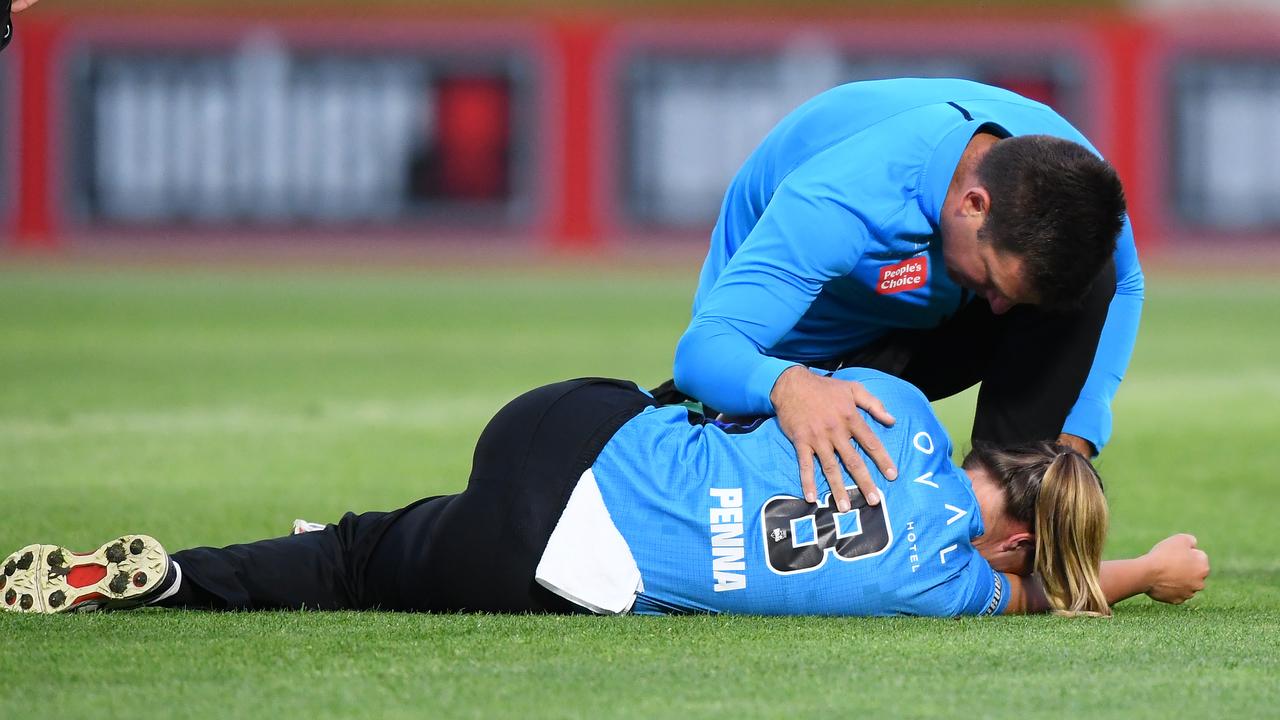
column 1077, row 443
column 1178, row 569
column 820, row 415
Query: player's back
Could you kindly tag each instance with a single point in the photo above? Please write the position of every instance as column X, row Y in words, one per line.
column 714, row 520
column 865, row 142
column 834, row 116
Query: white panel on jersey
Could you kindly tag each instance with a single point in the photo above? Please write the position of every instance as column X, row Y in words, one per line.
column 587, row 561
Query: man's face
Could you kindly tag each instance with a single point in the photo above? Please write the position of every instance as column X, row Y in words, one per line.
column 973, row 262
column 997, row 276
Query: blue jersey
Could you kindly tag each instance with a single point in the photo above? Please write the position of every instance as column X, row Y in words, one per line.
column 829, row 237
column 713, row 518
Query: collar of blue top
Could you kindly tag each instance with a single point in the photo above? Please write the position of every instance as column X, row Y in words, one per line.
column 946, row 158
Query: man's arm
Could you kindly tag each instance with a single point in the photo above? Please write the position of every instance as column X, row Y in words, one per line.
column 805, row 237
column 1090, row 418
column 1172, row 572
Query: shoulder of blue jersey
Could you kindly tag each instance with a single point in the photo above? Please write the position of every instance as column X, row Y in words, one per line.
column 882, row 384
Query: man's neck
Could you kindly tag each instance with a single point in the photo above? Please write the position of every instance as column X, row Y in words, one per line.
column 966, row 174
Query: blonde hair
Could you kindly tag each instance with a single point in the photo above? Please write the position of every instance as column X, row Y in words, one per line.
column 1058, row 494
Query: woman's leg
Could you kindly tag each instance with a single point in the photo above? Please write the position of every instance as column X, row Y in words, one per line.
column 486, row 545
column 476, row 551
column 353, row 565
column 347, row 566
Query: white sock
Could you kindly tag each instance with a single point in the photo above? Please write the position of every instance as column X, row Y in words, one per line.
column 173, row 586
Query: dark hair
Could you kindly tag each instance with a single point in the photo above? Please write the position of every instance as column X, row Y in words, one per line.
column 1058, row 494
column 1057, row 206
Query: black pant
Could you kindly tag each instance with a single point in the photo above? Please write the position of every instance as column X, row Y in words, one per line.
column 475, row 551
column 1031, row 363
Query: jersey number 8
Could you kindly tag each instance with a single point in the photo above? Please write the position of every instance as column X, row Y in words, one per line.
column 798, row 534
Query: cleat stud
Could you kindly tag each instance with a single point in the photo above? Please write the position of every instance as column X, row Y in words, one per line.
column 56, row 559
column 10, row 568
column 27, row 602
column 139, row 579
column 115, row 553
column 11, row 597
column 57, row 598
column 136, row 546
column 119, row 583
column 4, row 580
column 24, row 562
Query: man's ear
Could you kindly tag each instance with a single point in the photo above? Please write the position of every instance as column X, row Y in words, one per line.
column 977, row 201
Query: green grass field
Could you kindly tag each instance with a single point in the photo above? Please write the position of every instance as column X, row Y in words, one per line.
column 209, row 408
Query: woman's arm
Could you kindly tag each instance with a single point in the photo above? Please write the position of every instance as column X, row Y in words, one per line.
column 1172, row 572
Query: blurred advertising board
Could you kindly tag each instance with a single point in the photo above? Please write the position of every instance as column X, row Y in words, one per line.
column 262, row 128
column 576, row 131
column 1224, row 141
column 8, row 146
column 690, row 115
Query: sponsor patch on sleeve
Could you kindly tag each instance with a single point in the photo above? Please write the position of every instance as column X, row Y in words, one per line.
column 906, row 275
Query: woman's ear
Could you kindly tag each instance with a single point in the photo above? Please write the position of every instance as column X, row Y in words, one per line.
column 1021, row 547
column 1019, row 541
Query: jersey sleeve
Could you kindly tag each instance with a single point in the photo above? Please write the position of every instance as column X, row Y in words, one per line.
column 982, row 590
column 806, row 236
column 1090, row 417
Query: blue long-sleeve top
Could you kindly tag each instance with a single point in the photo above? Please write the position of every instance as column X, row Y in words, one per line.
column 843, row 195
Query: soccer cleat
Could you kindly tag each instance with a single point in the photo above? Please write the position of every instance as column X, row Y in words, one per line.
column 122, row 574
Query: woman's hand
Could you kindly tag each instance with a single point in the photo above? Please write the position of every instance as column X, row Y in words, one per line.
column 820, row 415
column 1178, row 569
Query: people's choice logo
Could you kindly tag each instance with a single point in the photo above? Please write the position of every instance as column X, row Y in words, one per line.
column 906, row 275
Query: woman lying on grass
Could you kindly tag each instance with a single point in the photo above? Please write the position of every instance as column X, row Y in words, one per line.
column 584, row 497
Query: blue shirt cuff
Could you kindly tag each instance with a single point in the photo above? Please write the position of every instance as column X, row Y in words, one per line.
column 760, row 384
column 1091, row 420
